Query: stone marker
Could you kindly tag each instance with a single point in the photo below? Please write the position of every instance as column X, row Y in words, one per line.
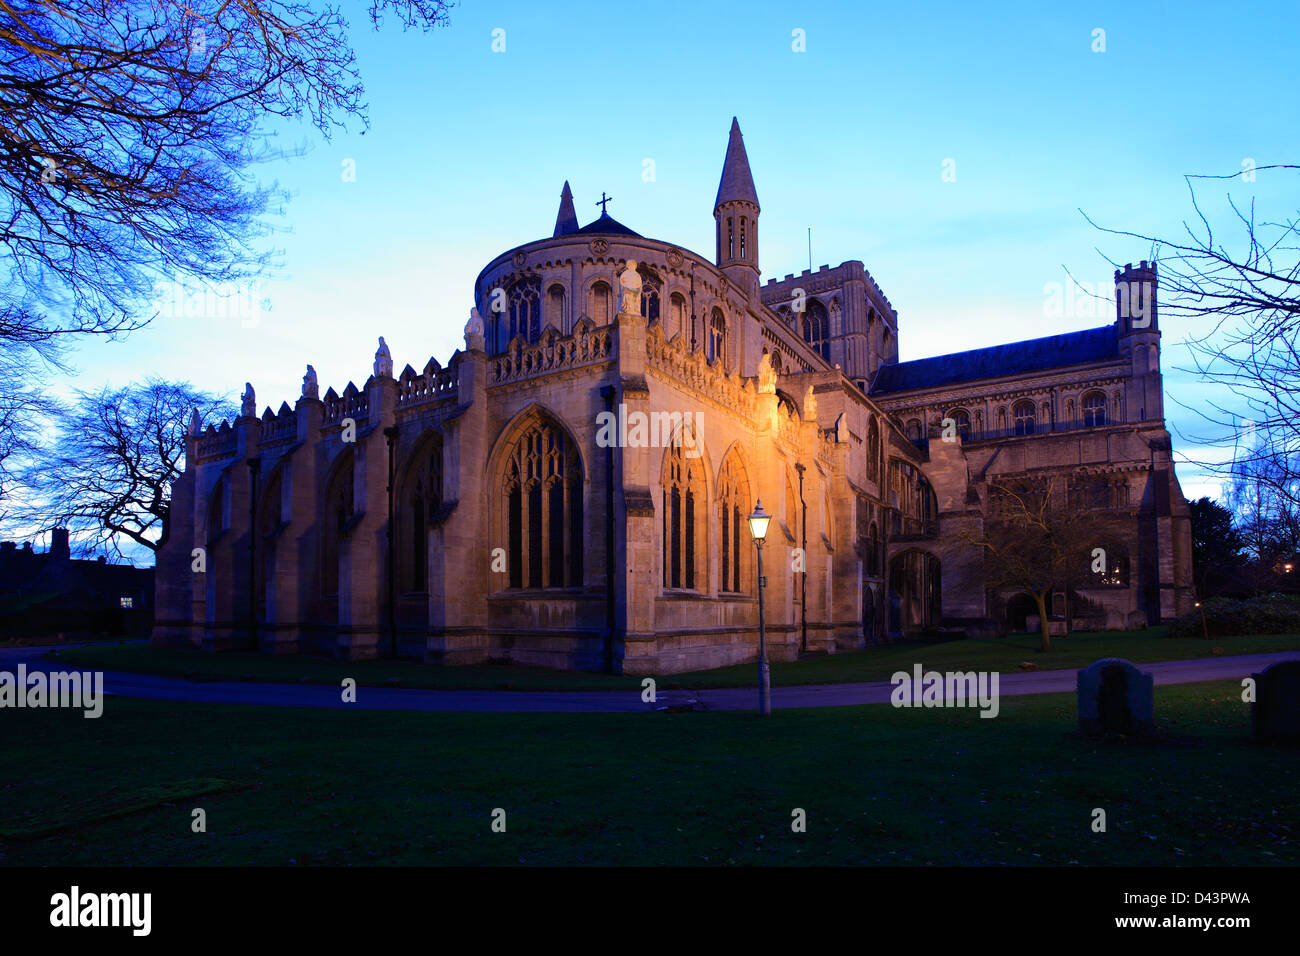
column 1115, row 698
column 1275, row 712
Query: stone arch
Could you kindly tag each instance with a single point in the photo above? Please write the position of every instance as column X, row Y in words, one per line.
column 915, row 591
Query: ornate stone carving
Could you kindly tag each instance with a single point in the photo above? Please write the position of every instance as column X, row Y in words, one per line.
column 519, row 260
column 310, row 387
column 248, row 402
column 809, row 405
column 674, row 258
column 598, row 247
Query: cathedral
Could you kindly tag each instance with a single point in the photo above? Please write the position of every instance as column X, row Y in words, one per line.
column 572, row 488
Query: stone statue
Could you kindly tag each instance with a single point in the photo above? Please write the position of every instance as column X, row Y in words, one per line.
column 629, row 281
column 475, row 324
column 766, row 375
column 383, row 360
column 809, row 405
column 248, row 405
column 310, row 387
column 196, row 423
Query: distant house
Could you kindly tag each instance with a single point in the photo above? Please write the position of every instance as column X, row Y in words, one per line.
column 51, row 595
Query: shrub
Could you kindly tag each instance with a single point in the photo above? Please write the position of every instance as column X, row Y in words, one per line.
column 1228, row 617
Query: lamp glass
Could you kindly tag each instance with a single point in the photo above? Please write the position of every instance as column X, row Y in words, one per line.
column 758, row 522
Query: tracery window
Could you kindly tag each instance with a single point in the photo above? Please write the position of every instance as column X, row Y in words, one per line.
column 650, row 286
column 1094, row 409
column 717, row 337
column 683, row 486
column 816, row 329
column 543, row 500
column 961, row 418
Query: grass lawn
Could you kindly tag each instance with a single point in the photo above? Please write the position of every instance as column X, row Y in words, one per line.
column 879, row 785
column 872, row 664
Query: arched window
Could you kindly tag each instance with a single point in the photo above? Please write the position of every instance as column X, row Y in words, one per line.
column 776, row 362
column 873, row 451
column 650, row 285
column 733, row 510
column 598, row 303
column 1094, row 409
column 742, row 237
column 683, row 485
column 717, row 337
column 873, row 551
column 961, row 418
column 1023, row 413
column 543, row 499
column 424, row 498
column 525, row 310
column 555, row 307
column 676, row 315
column 816, row 329
column 731, row 239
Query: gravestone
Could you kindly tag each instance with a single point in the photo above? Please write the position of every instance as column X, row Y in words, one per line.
column 1275, row 712
column 1115, row 698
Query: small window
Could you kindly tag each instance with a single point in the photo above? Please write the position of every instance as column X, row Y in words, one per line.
column 127, row 602
column 1023, row 414
column 1094, row 410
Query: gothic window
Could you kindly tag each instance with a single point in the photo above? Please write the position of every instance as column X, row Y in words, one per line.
column 1023, row 413
column 731, row 239
column 873, row 551
column 816, row 329
column 598, row 303
column 423, row 501
column 683, row 491
column 543, row 493
column 742, row 236
column 1094, row 409
column 676, row 315
column 650, row 285
column 734, row 509
column 717, row 337
column 961, row 418
column 776, row 362
column 555, row 307
column 873, row 452
column 525, row 316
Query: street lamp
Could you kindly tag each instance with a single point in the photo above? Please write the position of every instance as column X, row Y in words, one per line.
column 758, row 523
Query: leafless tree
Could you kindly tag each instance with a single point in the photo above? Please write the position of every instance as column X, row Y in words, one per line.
column 1034, row 545
column 129, row 130
column 108, row 472
column 1247, row 281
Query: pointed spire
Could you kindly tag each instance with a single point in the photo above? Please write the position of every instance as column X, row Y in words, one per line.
column 566, row 221
column 737, row 181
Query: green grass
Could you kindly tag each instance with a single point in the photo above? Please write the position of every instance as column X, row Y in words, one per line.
column 879, row 785
column 872, row 664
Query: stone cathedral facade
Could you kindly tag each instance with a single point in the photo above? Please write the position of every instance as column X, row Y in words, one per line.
column 480, row 510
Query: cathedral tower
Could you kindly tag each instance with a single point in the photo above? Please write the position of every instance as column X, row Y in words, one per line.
column 1138, row 328
column 735, row 213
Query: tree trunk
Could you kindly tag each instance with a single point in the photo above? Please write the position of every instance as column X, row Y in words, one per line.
column 1043, row 631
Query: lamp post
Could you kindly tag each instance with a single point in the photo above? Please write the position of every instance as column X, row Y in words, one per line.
column 758, row 522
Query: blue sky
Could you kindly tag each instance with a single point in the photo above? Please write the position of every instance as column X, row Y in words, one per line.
column 469, row 147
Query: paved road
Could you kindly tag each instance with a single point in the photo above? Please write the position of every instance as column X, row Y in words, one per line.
column 1011, row 684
